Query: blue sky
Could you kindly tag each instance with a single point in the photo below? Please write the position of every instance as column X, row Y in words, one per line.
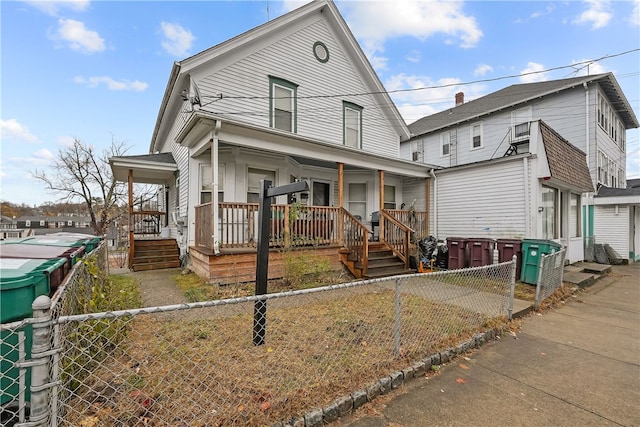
column 97, row 70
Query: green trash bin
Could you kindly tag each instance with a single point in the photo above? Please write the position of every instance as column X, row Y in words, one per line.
column 58, row 241
column 532, row 251
column 90, row 241
column 21, row 282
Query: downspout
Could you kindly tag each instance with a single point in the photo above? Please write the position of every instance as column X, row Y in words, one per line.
column 214, row 180
column 432, row 172
column 527, row 195
column 586, row 115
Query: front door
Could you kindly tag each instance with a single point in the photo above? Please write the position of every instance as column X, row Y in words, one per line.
column 320, row 192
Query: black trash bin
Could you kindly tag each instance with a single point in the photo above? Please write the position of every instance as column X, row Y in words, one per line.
column 457, row 252
column 375, row 225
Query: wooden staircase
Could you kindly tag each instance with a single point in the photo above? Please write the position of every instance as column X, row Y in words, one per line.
column 381, row 262
column 155, row 254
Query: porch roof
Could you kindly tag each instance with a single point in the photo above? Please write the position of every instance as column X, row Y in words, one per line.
column 147, row 168
column 201, row 123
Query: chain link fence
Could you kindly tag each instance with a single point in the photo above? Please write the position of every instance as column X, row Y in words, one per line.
column 550, row 274
column 325, row 350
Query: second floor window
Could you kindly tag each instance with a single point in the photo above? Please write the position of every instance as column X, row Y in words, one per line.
column 283, row 104
column 352, row 125
column 476, row 136
column 445, row 144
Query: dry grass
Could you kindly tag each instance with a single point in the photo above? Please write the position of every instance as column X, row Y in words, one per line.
column 202, row 369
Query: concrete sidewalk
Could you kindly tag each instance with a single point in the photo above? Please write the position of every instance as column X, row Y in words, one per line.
column 577, row 365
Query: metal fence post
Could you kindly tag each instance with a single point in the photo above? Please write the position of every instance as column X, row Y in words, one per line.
column 512, row 296
column 396, row 323
column 40, row 361
column 539, row 283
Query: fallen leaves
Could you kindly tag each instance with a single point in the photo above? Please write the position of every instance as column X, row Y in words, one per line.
column 461, row 381
column 463, row 366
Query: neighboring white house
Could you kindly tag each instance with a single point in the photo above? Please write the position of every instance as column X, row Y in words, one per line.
column 293, row 99
column 497, row 178
column 617, row 216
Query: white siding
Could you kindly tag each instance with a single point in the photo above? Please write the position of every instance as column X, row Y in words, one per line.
column 415, row 189
column 485, row 201
column 612, row 228
column 291, row 58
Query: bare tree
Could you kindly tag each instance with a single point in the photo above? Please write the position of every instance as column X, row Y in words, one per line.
column 80, row 173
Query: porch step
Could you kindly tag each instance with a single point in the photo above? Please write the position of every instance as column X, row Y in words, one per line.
column 155, row 254
column 584, row 274
column 381, row 263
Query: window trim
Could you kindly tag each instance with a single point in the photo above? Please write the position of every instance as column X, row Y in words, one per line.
column 346, row 105
column 471, row 127
column 277, row 81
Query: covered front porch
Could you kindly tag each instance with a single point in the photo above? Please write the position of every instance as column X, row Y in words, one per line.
column 150, row 246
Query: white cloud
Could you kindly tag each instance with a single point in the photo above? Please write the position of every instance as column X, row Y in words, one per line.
column 177, row 41
column 374, row 22
column 42, row 157
column 586, row 67
column 414, row 56
column 66, row 141
column 633, row 163
column 419, row 96
column 482, row 69
column 79, row 37
column 111, row 84
column 52, row 7
column 12, row 130
column 534, row 72
column 635, row 13
column 597, row 14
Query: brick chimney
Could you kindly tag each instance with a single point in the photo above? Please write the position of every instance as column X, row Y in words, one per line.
column 459, row 98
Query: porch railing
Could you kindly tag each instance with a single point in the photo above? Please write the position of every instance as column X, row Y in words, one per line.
column 356, row 239
column 418, row 221
column 291, row 225
column 396, row 235
column 147, row 222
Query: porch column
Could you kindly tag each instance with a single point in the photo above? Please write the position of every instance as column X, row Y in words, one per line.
column 131, row 225
column 381, row 207
column 214, row 190
column 341, row 202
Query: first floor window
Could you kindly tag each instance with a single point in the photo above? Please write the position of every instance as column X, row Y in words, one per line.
column 358, row 200
column 253, row 183
column 352, row 125
column 574, row 215
column 549, row 201
column 389, row 197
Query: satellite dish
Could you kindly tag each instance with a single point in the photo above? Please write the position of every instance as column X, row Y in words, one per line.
column 193, row 94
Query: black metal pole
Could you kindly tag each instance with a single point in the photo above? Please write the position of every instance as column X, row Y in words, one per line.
column 262, row 264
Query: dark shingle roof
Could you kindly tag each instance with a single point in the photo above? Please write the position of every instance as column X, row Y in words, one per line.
column 518, row 94
column 566, row 162
column 633, row 189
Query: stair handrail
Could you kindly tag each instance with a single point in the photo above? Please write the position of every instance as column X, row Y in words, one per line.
column 355, row 236
column 396, row 235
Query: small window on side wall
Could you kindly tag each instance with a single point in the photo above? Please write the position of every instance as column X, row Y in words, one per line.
column 476, row 136
column 445, row 144
column 352, row 114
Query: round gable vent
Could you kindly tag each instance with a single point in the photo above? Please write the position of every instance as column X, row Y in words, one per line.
column 321, row 52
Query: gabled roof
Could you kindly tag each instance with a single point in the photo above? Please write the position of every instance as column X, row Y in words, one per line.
column 567, row 163
column 180, row 72
column 515, row 95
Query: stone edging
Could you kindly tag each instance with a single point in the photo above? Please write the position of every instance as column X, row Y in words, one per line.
column 349, row 403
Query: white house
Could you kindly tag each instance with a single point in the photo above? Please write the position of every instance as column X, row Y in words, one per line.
column 503, row 176
column 293, row 99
